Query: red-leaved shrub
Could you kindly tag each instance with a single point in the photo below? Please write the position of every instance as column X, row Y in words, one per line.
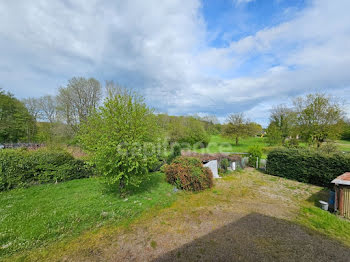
column 188, row 173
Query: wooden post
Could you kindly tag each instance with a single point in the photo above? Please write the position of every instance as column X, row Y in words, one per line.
column 341, row 200
column 335, row 198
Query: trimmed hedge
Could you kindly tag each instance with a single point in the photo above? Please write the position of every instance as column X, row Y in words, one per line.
column 307, row 166
column 188, row 173
column 22, row 168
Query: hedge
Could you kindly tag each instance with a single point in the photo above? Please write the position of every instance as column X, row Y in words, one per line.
column 308, row 166
column 22, row 168
column 188, row 173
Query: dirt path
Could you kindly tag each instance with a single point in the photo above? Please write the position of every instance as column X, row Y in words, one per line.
column 246, row 217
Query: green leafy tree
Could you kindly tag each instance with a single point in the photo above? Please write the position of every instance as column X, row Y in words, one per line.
column 274, row 134
column 319, row 117
column 237, row 127
column 346, row 130
column 184, row 130
column 283, row 119
column 122, row 137
column 254, row 129
column 17, row 124
column 211, row 124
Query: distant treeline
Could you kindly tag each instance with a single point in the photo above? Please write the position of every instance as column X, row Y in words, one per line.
column 58, row 118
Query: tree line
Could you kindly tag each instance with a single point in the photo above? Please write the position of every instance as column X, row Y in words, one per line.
column 126, row 139
column 58, row 118
column 313, row 119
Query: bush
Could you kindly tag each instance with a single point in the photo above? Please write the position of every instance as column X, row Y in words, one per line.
column 188, row 173
column 292, row 143
column 254, row 153
column 328, row 147
column 307, row 166
column 21, row 168
column 224, row 163
column 175, row 152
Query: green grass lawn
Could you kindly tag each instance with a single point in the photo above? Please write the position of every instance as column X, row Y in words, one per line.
column 326, row 223
column 281, row 201
column 39, row 215
column 219, row 144
column 343, row 145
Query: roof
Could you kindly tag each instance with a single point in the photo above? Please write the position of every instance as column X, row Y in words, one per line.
column 209, row 157
column 344, row 179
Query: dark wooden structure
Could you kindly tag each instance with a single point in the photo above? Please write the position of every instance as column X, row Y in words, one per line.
column 342, row 194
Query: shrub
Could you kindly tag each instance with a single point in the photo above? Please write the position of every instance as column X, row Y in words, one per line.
column 328, row 147
column 188, row 173
column 21, row 168
column 224, row 163
column 307, row 166
column 175, row 152
column 254, row 153
column 292, row 143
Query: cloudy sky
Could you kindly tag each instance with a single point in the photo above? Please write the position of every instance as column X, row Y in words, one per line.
column 186, row 57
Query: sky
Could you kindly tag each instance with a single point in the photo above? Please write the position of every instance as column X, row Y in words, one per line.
column 188, row 57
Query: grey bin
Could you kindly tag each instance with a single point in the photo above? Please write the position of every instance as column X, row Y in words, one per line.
column 324, row 205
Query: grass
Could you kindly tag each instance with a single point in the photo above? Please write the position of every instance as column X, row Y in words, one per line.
column 343, row 145
column 219, row 144
column 326, row 223
column 40, row 215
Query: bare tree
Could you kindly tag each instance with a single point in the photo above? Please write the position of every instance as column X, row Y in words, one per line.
column 32, row 105
column 78, row 100
column 48, row 105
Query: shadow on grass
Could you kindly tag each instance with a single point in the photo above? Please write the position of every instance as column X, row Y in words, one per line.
column 257, row 237
column 153, row 182
column 323, row 195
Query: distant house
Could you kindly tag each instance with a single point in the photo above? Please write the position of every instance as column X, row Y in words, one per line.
column 213, row 161
column 342, row 194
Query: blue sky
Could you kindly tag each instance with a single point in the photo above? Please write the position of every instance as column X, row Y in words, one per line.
column 230, row 20
column 185, row 57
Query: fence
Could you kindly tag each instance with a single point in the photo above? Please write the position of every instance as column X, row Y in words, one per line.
column 21, row 145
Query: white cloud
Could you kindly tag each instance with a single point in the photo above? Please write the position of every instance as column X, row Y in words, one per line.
column 243, row 1
column 161, row 48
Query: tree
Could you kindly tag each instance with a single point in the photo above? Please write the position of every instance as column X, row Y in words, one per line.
column 254, row 129
column 17, row 124
column 48, row 106
column 346, row 130
column 283, row 119
column 319, row 117
column 121, row 137
column 32, row 105
column 184, row 130
column 274, row 134
column 237, row 127
column 78, row 100
column 211, row 124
